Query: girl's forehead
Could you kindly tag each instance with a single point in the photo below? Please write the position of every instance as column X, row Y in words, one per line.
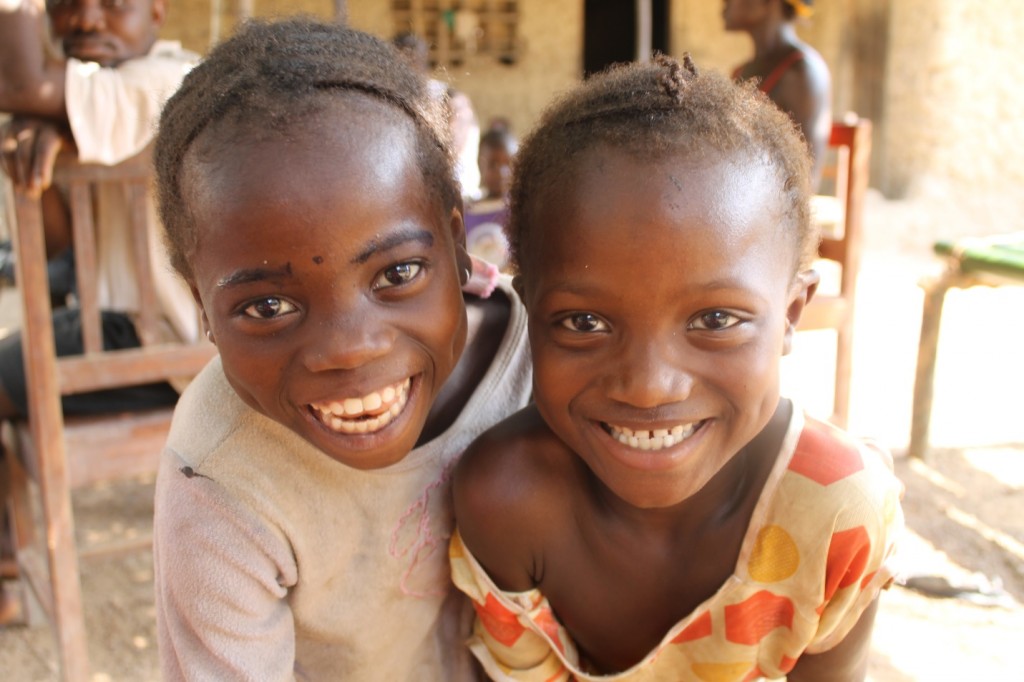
column 729, row 184
column 331, row 116
column 316, row 148
column 341, row 178
column 702, row 202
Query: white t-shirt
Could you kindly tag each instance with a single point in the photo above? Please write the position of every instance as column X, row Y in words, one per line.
column 113, row 114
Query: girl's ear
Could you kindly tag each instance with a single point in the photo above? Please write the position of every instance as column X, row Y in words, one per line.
column 800, row 294
column 462, row 260
column 457, row 226
column 203, row 319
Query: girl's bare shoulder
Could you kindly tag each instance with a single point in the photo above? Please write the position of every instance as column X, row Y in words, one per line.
column 518, row 461
column 513, row 488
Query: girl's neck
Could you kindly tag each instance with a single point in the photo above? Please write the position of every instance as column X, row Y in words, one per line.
column 486, row 320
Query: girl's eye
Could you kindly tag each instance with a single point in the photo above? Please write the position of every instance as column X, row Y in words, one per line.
column 584, row 322
column 397, row 275
column 268, row 308
column 715, row 320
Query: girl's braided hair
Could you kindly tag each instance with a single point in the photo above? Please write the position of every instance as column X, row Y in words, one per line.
column 654, row 110
column 270, row 76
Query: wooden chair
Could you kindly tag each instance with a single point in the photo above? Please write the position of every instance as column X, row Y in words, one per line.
column 841, row 222
column 61, row 454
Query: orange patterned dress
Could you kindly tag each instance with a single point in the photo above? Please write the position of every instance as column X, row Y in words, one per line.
column 819, row 548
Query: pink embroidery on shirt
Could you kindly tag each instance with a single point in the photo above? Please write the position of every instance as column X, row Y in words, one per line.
column 427, row 539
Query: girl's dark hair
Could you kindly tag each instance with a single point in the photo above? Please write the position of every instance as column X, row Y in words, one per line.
column 270, row 76
column 654, row 110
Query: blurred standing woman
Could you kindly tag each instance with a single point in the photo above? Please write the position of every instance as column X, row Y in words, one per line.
column 791, row 72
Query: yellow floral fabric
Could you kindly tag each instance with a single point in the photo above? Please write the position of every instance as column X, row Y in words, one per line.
column 819, row 548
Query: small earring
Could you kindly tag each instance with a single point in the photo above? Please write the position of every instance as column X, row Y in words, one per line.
column 209, row 336
column 465, row 275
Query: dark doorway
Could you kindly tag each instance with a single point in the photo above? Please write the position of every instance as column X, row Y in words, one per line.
column 609, row 32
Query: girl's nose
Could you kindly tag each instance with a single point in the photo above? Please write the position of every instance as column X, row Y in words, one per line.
column 650, row 374
column 348, row 342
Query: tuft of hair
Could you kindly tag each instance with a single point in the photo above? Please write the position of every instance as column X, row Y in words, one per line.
column 410, row 42
column 654, row 110
column 269, row 77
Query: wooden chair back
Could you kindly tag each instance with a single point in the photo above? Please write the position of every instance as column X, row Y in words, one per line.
column 842, row 237
column 63, row 453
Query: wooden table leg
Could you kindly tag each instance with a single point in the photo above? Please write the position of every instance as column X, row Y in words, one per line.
column 927, row 353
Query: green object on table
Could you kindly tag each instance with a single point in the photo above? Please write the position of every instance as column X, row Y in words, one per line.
column 1001, row 255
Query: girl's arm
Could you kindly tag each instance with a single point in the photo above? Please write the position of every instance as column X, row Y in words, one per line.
column 495, row 503
column 222, row 580
column 845, row 662
column 502, row 511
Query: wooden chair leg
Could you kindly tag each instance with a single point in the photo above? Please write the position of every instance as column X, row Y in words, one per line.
column 62, row 557
column 844, row 368
column 49, row 574
column 20, row 504
column 927, row 354
column 23, row 536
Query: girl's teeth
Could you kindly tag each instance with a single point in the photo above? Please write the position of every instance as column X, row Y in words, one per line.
column 372, row 402
column 372, row 412
column 651, row 440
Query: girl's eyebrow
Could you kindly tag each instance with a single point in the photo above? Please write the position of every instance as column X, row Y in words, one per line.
column 392, row 240
column 249, row 275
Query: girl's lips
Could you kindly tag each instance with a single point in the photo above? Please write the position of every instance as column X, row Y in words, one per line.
column 366, row 414
column 655, row 439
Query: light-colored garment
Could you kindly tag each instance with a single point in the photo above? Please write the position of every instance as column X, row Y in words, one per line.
column 485, row 236
column 273, row 560
column 113, row 114
column 465, row 137
column 819, row 547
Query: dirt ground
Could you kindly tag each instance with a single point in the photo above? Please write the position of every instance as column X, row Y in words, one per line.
column 964, row 508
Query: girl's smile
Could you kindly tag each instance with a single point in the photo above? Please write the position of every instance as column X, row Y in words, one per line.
column 367, row 414
column 653, row 450
column 653, row 439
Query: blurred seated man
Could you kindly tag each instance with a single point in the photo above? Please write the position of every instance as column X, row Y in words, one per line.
column 99, row 95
